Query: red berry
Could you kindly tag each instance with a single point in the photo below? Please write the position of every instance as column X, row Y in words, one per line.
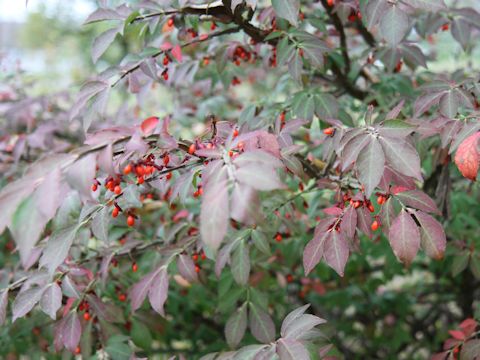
column 330, row 2
column 115, row 212
column 140, row 170
column 206, row 60
column 140, row 180
column 445, row 27
column 127, row 169
column 169, row 176
column 357, row 204
column 166, row 60
column 398, row 67
column 370, row 207
column 94, row 187
column 122, row 297
column 191, row 149
column 203, row 256
column 329, row 131
column 166, row 160
column 375, row 225
column 165, row 75
column 78, row 350
column 235, row 133
column 289, row 278
column 134, row 267
column 117, row 190
column 195, row 257
column 197, row 269
column 278, row 237
column 170, row 22
column 213, row 26
column 130, row 220
column 86, row 316
column 282, row 116
column 380, row 199
column 230, row 153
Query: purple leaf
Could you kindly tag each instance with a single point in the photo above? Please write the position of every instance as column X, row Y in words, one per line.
column 413, row 55
column 313, row 252
column 349, row 222
column 336, row 251
column 297, row 323
column 396, row 129
column 51, row 300
column 236, row 326
column 404, row 237
column 261, row 324
column 289, row 349
column 402, row 156
column 186, row 268
column 461, row 32
column 27, row 226
column 470, row 349
column 215, row 210
column 247, row 204
column 393, row 114
column 102, row 14
column 81, row 174
column 287, row 9
column 467, row 130
column 433, row 237
column 100, row 224
column 3, row 306
column 370, row 166
column 375, row 11
column 71, row 331
column 387, row 214
column 259, row 177
column 105, row 311
column 428, row 5
column 140, row 290
column 364, row 220
column 394, row 25
column 353, row 148
column 105, row 160
column 159, row 291
column 25, row 301
column 10, row 197
column 102, row 42
column 425, row 102
column 57, row 248
column 240, row 264
column 418, row 200
column 47, row 195
column 69, row 288
column 449, row 104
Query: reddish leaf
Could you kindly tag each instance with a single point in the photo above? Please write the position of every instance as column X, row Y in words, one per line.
column 71, row 331
column 402, row 156
column 336, row 251
column 149, row 125
column 467, row 157
column 51, row 300
column 418, row 200
column 177, row 53
column 288, row 349
column 468, row 326
column 370, row 165
column 433, row 237
column 236, row 326
column 261, row 324
column 457, row 334
column 186, row 268
column 25, row 301
column 404, row 237
column 158, row 292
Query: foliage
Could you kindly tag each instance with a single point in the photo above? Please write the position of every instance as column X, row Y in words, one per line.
column 291, row 197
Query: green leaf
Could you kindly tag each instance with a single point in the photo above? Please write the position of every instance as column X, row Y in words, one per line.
column 241, row 264
column 260, row 241
column 141, row 335
column 460, row 262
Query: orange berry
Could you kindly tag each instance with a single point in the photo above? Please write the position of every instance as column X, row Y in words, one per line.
column 86, row 316
column 117, row 190
column 115, row 212
column 370, row 207
column 122, row 297
column 330, row 2
column 191, row 149
column 130, row 220
column 170, row 22
column 375, row 225
column 134, row 267
column 278, row 237
column 357, row 204
column 78, row 350
column 329, row 131
column 166, row 160
column 140, row 180
column 197, row 269
column 380, row 200
column 230, row 153
column 169, row 176
column 94, row 187
column 140, row 170
column 195, row 257
column 127, row 169
column 235, row 133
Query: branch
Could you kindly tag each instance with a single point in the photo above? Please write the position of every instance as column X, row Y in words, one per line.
column 195, row 41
